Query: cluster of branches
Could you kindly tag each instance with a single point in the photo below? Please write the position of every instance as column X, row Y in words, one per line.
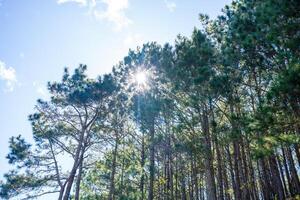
column 219, row 118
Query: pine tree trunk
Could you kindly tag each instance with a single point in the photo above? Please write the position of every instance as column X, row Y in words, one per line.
column 293, row 171
column 142, row 163
column 177, row 195
column 266, row 186
column 236, row 168
column 152, row 167
column 252, row 179
column 226, row 184
column 78, row 158
column 210, row 178
column 245, row 173
column 191, row 188
column 231, row 170
column 182, row 182
column 220, row 175
column 61, row 192
column 170, row 175
column 276, row 181
column 77, row 193
column 195, row 177
column 297, row 150
column 113, row 170
column 122, row 176
column 286, row 192
column 286, row 169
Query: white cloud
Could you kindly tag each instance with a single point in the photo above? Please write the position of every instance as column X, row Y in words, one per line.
column 114, row 12
column 8, row 75
column 170, row 5
column 81, row 2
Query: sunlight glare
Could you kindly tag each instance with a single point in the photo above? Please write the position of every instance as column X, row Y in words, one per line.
column 140, row 78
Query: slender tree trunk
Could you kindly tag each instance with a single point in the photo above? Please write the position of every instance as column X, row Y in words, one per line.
column 192, row 183
column 61, row 192
column 122, row 176
column 220, row 175
column 267, row 188
column 142, row 163
column 231, row 170
column 210, row 178
column 236, row 158
column 293, row 171
column 296, row 147
column 170, row 186
column 226, row 184
column 176, row 179
column 62, row 186
column 152, row 167
column 195, row 177
column 252, row 178
column 182, row 181
column 78, row 158
column 276, row 183
column 286, row 192
column 286, row 169
column 245, row 173
column 77, row 193
column 113, row 170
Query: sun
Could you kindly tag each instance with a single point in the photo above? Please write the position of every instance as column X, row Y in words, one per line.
column 140, row 78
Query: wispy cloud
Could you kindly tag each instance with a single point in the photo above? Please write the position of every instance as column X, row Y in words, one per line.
column 114, row 12
column 170, row 5
column 8, row 75
column 40, row 89
column 133, row 40
column 81, row 2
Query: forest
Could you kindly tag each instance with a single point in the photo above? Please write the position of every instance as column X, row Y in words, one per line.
column 215, row 115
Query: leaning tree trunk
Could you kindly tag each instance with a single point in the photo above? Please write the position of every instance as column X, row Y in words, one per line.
column 77, row 193
column 78, row 158
column 294, row 176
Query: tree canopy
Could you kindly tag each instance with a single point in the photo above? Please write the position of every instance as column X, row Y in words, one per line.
column 214, row 116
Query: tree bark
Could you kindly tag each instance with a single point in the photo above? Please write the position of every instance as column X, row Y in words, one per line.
column 293, row 171
column 152, row 168
column 113, row 170
column 220, row 175
column 78, row 158
column 142, row 163
column 209, row 171
column 276, row 183
column 77, row 193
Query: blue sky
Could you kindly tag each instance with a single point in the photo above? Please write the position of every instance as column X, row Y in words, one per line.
column 38, row 38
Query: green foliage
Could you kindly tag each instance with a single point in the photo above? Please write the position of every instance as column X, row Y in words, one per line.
column 19, row 150
column 219, row 100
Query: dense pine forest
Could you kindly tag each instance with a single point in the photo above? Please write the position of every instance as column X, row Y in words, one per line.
column 214, row 116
